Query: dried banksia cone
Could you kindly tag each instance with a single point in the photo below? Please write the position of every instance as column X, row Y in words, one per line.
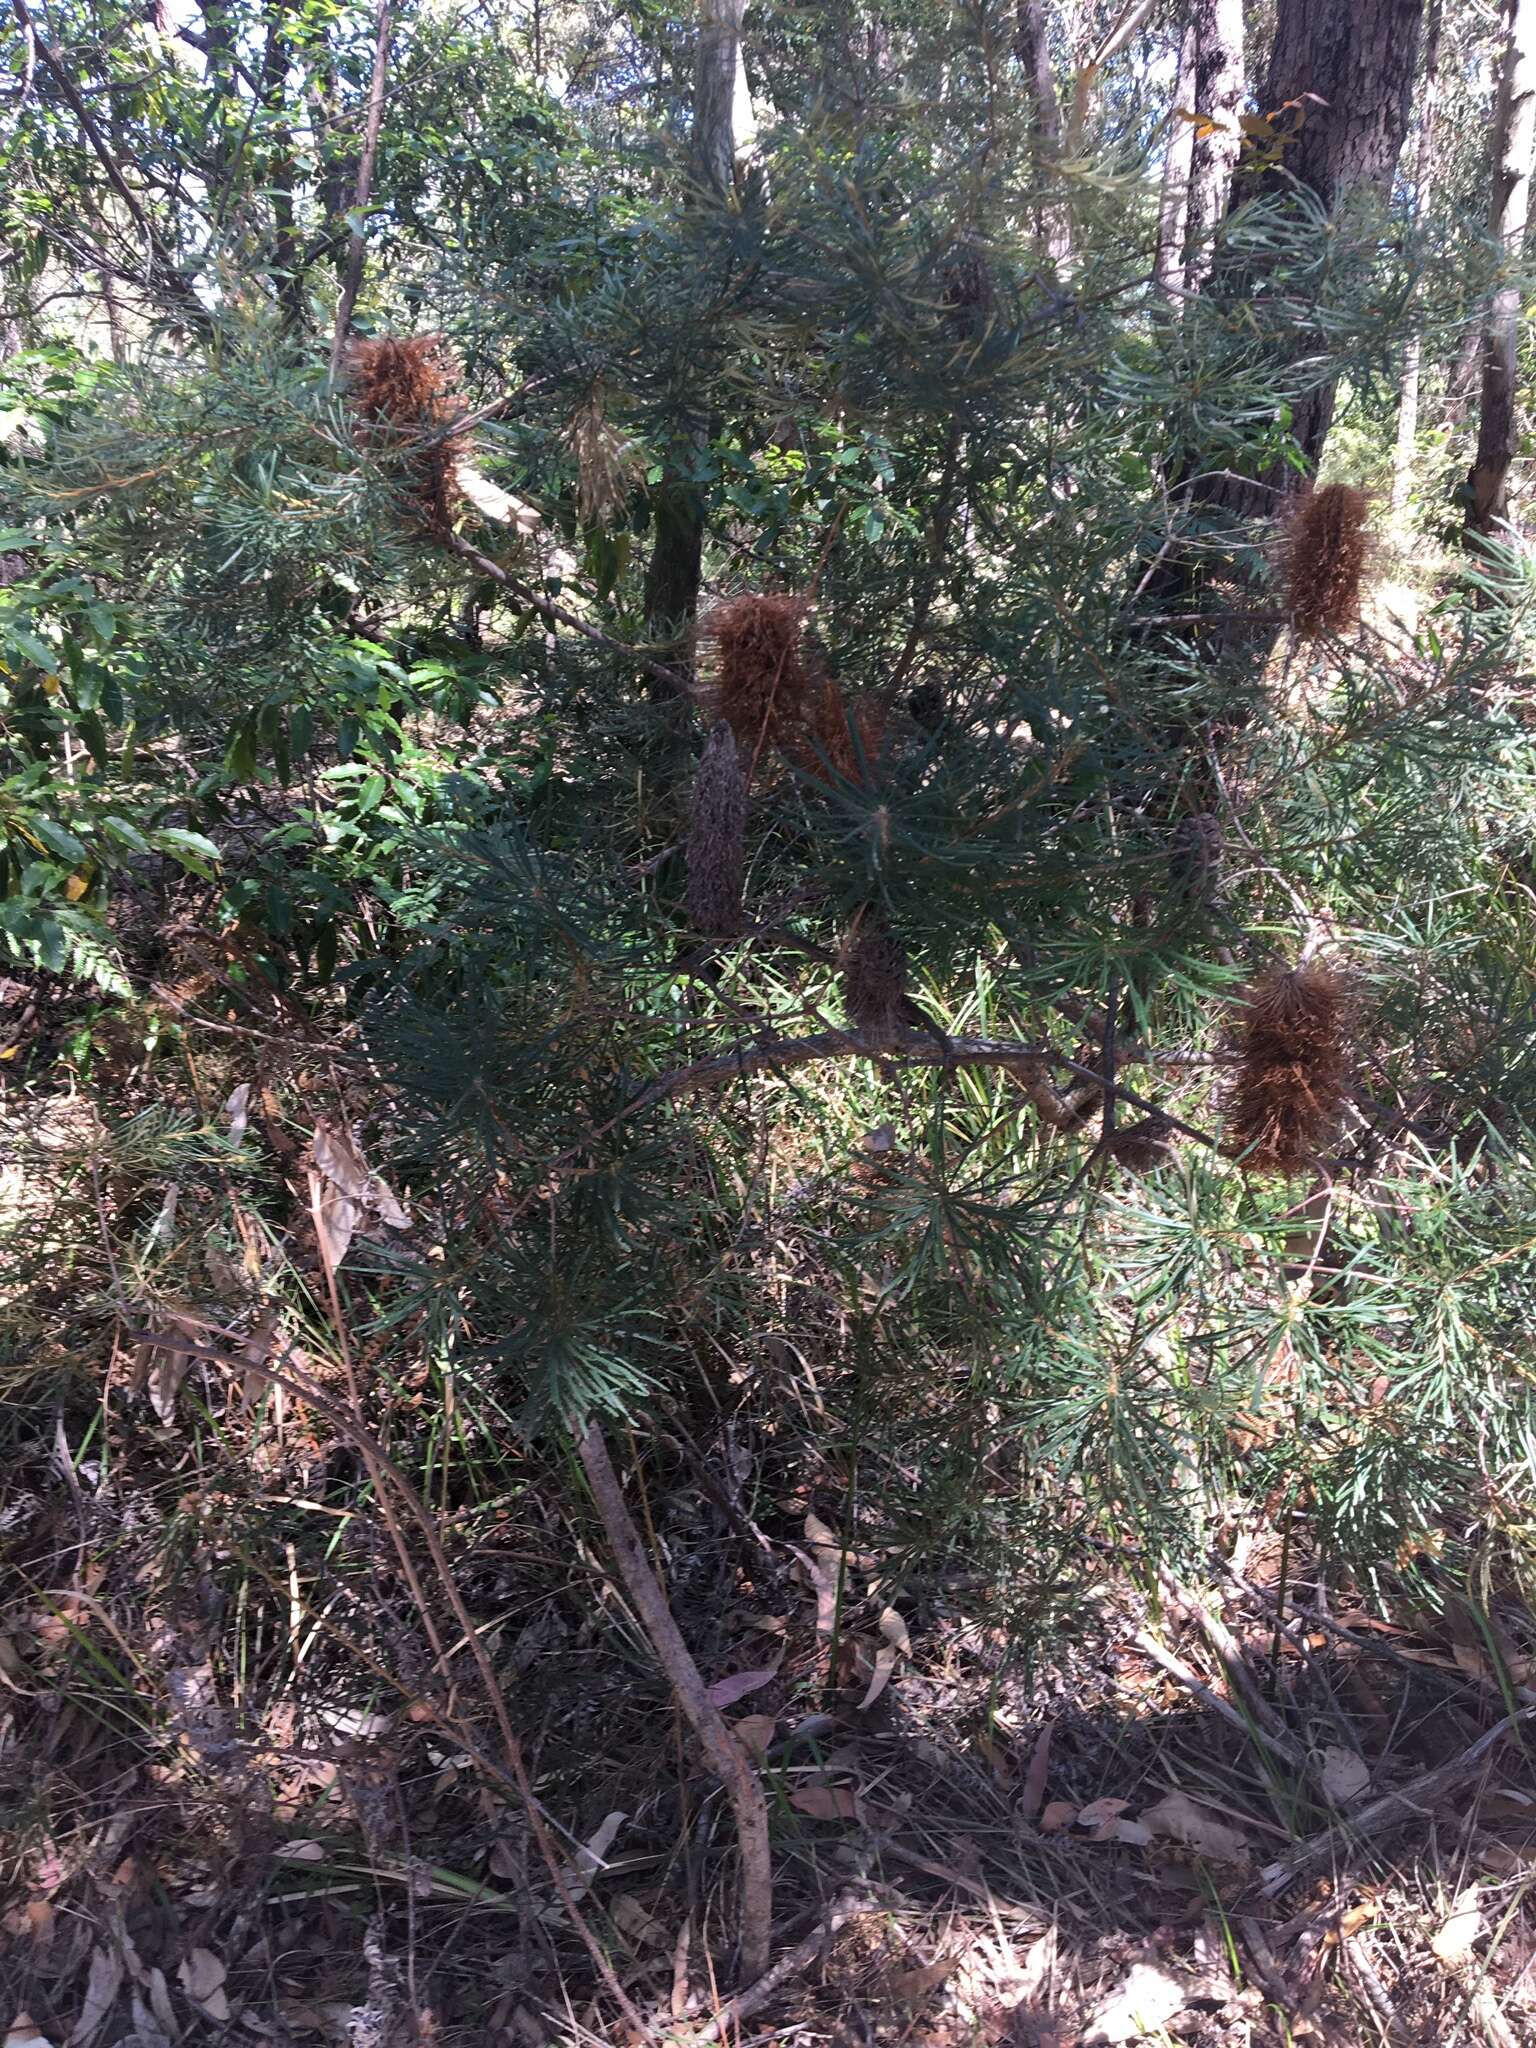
column 1142, row 1146
column 606, row 465
column 1325, row 559
column 760, row 683
column 875, row 978
column 927, row 706
column 1194, row 858
column 717, row 838
column 403, row 391
column 1292, row 1068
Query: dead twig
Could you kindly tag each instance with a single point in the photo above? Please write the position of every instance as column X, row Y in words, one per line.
column 851, row 1906
column 726, row 1757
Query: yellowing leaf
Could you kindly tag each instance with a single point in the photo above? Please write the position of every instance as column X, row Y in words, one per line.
column 1456, row 1940
column 1180, row 1819
column 75, row 888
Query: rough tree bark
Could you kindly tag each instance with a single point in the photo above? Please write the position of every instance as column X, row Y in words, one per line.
column 722, row 124
column 1173, row 206
column 1032, row 47
column 1218, row 89
column 1423, row 191
column 1514, row 144
column 1358, row 57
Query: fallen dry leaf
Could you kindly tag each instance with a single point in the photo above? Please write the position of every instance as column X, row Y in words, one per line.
column 23, row 2034
column 755, row 1732
column 1059, row 1814
column 725, row 1692
column 1178, row 1817
column 1461, row 1931
column 102, row 1982
column 1345, row 1774
column 1033, row 1789
column 299, row 1852
column 634, row 1919
column 1148, row 1999
column 826, row 1802
column 1098, row 1811
column 201, row 1976
column 588, row 1860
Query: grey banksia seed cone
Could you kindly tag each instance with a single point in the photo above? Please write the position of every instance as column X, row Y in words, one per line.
column 716, row 858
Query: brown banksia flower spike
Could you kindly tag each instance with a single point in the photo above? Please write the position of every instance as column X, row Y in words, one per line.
column 716, row 856
column 1194, row 858
column 875, row 978
column 759, row 683
column 1291, row 1082
column 1325, row 560
column 404, row 391
column 842, row 736
column 1142, row 1146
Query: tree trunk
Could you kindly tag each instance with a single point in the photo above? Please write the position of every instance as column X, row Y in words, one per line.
column 1032, row 47
column 1423, row 189
column 722, row 122
column 1358, row 58
column 1218, row 90
column 1514, row 143
column 718, row 77
column 1173, row 208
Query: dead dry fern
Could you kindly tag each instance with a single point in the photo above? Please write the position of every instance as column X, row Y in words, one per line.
column 404, row 392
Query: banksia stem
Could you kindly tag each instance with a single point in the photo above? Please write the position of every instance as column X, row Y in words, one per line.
column 875, row 978
column 1290, row 1089
column 717, row 837
column 1325, row 560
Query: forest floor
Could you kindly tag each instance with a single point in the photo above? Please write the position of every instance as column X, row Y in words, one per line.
column 255, row 1791
column 254, row 1787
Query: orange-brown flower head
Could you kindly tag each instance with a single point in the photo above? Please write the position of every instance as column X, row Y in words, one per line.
column 1291, row 1081
column 405, row 391
column 1325, row 560
column 759, row 682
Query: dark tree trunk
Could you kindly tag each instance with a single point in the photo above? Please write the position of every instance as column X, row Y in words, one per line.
column 677, row 554
column 1514, row 144
column 1406, row 439
column 1218, row 88
column 1357, row 58
column 720, row 104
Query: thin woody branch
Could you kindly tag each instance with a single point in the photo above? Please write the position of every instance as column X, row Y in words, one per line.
column 1063, row 1110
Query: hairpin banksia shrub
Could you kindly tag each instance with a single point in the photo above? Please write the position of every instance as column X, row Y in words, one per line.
column 716, row 838
column 1325, row 560
column 1291, row 1082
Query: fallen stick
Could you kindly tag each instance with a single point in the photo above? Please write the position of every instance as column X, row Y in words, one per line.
column 1417, row 1796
